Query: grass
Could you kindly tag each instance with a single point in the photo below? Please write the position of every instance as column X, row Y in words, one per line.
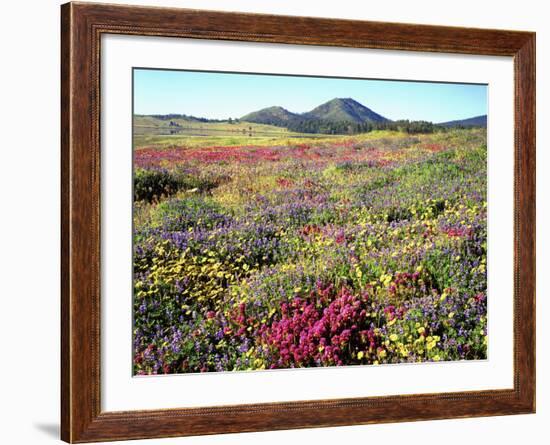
column 387, row 139
column 150, row 122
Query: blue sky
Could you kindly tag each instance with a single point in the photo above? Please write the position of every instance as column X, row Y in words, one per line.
column 224, row 95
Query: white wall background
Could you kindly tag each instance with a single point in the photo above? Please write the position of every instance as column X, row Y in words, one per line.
column 29, row 220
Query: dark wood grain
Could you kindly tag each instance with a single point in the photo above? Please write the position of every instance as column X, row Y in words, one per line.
column 524, row 210
column 65, row 226
column 82, row 26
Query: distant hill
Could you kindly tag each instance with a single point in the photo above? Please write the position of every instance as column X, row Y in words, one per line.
column 344, row 110
column 271, row 116
column 174, row 123
column 337, row 116
column 335, row 110
column 169, row 120
column 477, row 121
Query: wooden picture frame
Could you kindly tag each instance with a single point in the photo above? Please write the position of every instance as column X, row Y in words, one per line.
column 82, row 26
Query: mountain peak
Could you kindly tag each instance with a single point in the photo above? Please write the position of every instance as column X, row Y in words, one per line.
column 275, row 108
column 335, row 110
column 345, row 109
column 349, row 100
column 275, row 115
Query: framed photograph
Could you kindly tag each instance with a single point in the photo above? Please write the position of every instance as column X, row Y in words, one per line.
column 275, row 222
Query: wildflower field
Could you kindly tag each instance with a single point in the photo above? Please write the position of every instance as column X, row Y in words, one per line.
column 307, row 252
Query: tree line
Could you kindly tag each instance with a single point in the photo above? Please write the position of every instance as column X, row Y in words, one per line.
column 330, row 127
column 345, row 127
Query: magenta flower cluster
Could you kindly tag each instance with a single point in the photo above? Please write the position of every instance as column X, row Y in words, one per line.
column 312, row 333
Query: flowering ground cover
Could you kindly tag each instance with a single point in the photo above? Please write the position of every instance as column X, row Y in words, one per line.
column 334, row 251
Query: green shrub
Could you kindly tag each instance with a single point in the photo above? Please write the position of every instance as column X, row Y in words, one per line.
column 151, row 185
column 154, row 184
